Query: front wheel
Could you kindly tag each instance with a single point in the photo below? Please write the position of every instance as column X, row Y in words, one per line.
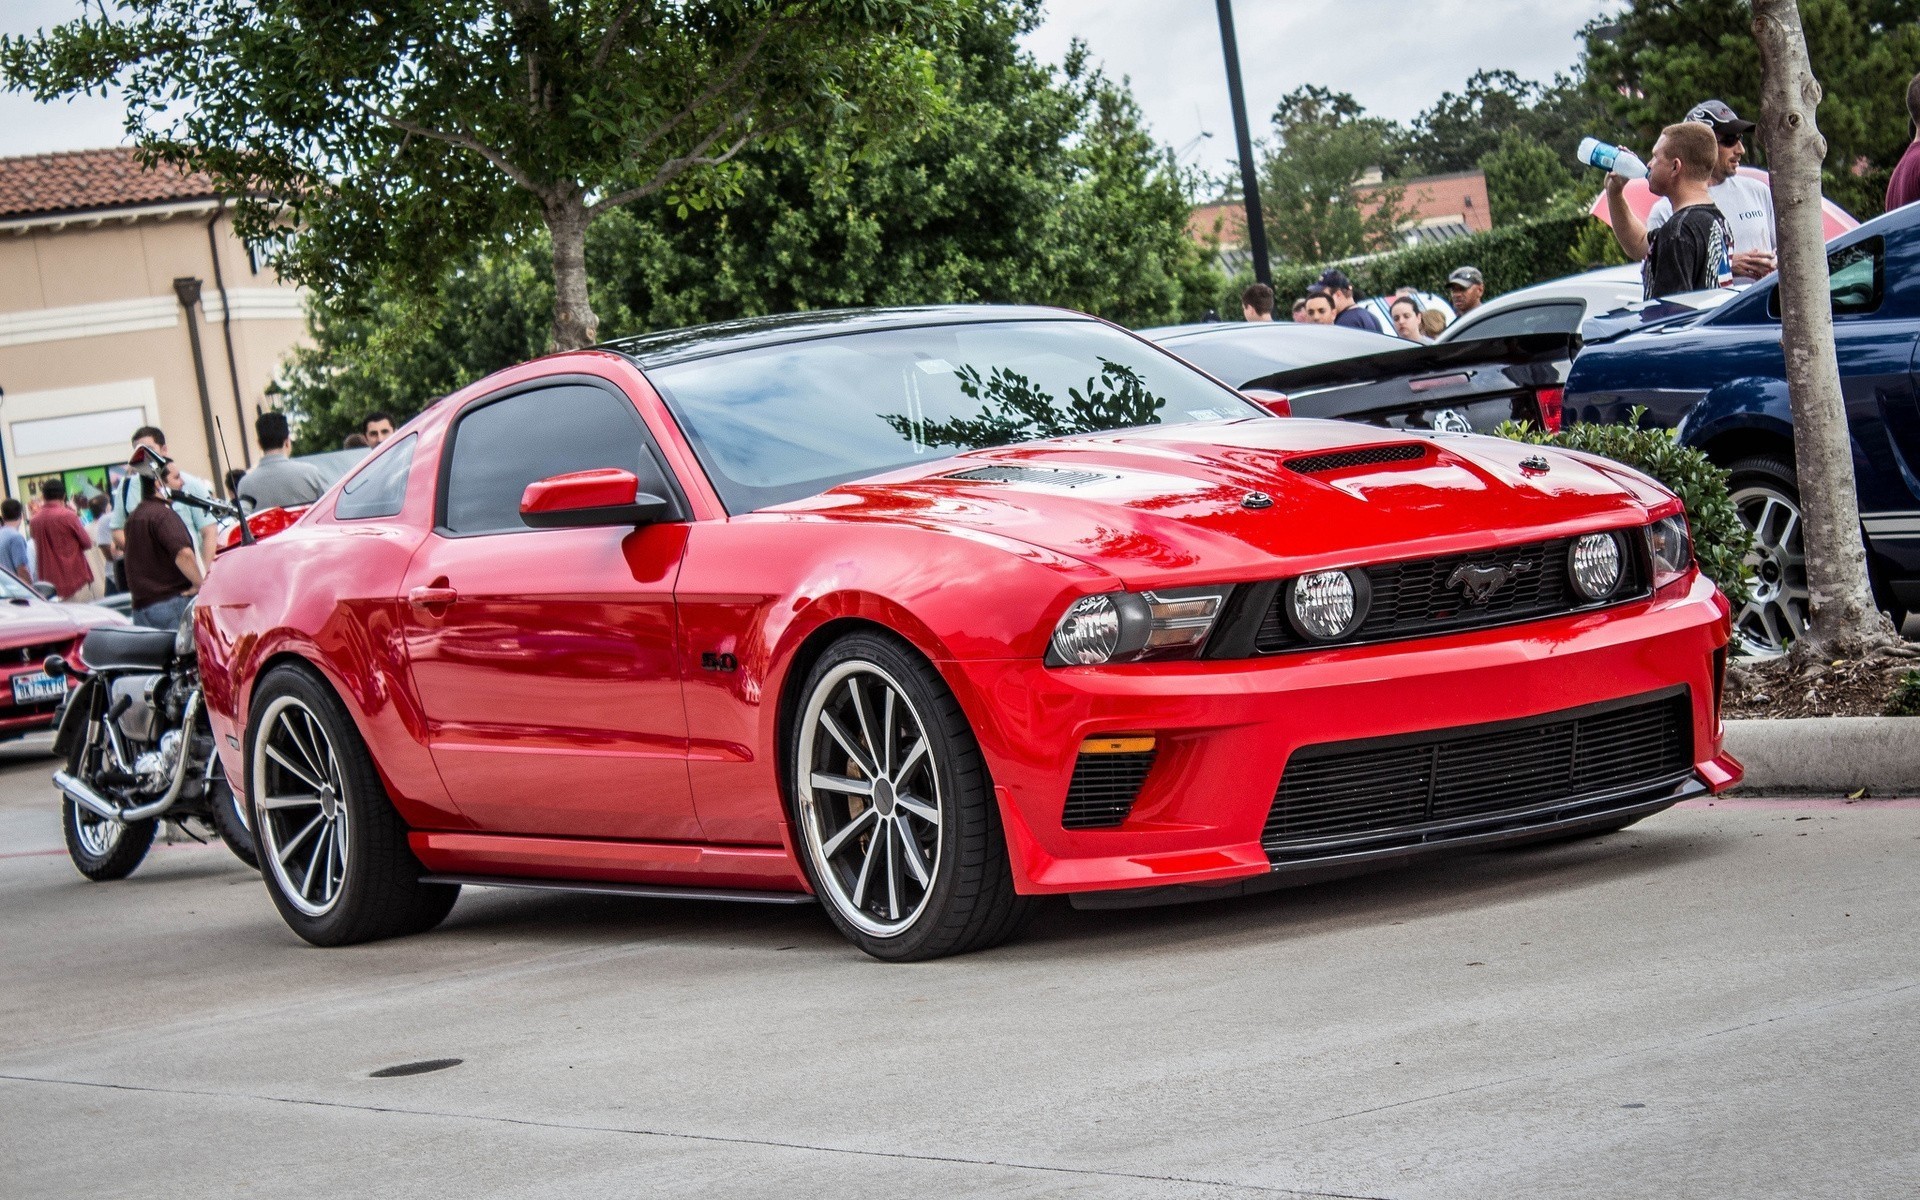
column 1767, row 495
column 899, row 832
column 103, row 849
column 333, row 850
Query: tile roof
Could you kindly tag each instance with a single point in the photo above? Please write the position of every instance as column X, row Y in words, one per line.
column 83, row 180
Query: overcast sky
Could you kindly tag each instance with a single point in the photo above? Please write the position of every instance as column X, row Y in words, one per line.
column 1395, row 58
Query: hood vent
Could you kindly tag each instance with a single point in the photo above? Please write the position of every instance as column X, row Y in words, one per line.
column 1365, row 456
column 1052, row 476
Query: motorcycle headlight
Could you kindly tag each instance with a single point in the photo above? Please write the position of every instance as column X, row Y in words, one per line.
column 1670, row 548
column 183, row 636
column 1594, row 565
column 1128, row 626
column 1328, row 605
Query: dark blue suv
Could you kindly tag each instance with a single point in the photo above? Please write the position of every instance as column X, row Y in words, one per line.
column 1719, row 376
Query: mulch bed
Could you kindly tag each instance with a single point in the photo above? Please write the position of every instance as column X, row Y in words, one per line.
column 1872, row 687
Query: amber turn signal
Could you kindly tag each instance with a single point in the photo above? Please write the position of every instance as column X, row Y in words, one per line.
column 1116, row 745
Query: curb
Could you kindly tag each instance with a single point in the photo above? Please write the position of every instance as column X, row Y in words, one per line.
column 1828, row 755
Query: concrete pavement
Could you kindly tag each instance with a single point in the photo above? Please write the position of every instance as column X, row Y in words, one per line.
column 1719, row 1002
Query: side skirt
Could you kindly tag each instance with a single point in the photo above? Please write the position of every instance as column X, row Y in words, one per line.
column 648, row 890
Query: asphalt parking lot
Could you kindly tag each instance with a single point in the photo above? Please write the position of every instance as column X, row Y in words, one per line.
column 1720, row 1002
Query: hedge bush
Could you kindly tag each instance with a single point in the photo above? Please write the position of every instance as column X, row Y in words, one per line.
column 1720, row 541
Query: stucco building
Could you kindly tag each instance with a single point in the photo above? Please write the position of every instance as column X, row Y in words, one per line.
column 126, row 300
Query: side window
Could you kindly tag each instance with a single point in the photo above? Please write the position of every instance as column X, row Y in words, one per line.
column 1856, row 279
column 1528, row 318
column 501, row 447
column 381, row 489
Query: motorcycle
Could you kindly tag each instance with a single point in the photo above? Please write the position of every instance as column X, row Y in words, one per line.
column 136, row 741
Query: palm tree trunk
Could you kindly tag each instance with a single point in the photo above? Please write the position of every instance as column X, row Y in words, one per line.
column 1843, row 617
column 574, row 323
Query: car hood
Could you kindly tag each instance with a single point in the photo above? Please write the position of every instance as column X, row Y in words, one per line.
column 1175, row 504
column 29, row 622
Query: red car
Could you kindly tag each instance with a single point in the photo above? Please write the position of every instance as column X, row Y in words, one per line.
column 923, row 613
column 33, row 628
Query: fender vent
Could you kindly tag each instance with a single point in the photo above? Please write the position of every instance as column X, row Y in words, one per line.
column 1053, row 476
column 1365, row 456
column 1104, row 788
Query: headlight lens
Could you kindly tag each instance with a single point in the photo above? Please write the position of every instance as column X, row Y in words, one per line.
column 183, row 636
column 1595, row 565
column 1126, row 626
column 1328, row 604
column 1671, row 548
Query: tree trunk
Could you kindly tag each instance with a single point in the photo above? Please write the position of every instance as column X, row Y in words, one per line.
column 574, row 325
column 1843, row 617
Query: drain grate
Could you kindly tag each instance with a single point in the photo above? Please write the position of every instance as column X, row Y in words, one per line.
column 415, row 1068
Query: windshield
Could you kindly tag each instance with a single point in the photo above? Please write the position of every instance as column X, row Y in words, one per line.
column 12, row 589
column 785, row 422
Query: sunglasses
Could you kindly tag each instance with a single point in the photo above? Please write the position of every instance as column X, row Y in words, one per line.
column 1730, row 138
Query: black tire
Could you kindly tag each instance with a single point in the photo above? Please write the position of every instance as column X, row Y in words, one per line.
column 969, row 902
column 102, row 858
column 228, row 821
column 378, row 893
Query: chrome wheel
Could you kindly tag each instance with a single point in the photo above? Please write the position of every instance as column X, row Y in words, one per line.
column 301, row 813
column 1776, row 610
column 96, row 834
column 870, row 799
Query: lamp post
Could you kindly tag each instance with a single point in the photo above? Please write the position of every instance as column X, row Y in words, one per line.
column 1249, row 182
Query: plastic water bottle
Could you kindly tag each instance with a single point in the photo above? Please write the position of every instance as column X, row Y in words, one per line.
column 1618, row 159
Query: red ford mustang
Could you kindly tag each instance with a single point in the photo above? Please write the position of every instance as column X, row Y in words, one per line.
column 923, row 613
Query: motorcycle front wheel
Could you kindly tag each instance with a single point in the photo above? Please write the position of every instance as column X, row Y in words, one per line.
column 103, row 849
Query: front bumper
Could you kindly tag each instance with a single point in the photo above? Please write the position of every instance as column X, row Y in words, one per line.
column 1225, row 730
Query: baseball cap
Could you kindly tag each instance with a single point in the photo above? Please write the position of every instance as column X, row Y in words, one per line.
column 1465, row 277
column 1333, row 279
column 1716, row 114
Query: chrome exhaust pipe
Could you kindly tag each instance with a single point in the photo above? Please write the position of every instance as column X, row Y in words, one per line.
column 87, row 798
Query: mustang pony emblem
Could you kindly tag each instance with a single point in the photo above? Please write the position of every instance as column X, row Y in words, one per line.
column 1478, row 584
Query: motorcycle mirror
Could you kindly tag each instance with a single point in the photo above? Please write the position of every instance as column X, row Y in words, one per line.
column 148, row 462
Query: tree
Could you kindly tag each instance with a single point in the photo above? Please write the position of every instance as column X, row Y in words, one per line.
column 1459, row 130
column 1842, row 617
column 1658, row 58
column 1324, row 143
column 1524, row 178
column 385, row 140
column 1039, row 185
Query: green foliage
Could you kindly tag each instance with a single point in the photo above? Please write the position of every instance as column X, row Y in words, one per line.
column 1460, row 129
column 1040, row 185
column 1906, row 696
column 1323, row 143
column 1658, row 58
column 380, row 143
column 1524, row 178
column 1509, row 256
column 1720, row 541
column 1596, row 247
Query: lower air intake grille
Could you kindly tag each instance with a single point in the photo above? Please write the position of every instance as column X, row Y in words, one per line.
column 1103, row 789
column 1365, row 456
column 1428, row 785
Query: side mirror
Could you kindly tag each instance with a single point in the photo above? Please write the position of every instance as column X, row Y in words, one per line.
column 46, row 590
column 603, row 496
column 149, row 462
column 1274, row 402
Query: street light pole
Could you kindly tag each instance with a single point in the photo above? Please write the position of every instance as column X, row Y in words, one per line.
column 1249, row 181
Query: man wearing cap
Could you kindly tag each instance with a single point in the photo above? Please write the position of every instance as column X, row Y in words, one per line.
column 1746, row 203
column 1465, row 288
column 1339, row 289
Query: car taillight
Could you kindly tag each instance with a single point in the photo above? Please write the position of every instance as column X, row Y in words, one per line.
column 1274, row 402
column 1549, row 400
column 266, row 523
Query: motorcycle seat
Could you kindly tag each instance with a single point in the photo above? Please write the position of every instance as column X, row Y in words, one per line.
column 123, row 649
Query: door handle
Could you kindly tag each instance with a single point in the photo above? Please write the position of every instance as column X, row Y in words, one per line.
column 431, row 597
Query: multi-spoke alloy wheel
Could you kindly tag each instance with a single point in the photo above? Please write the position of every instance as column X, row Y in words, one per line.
column 297, row 792
column 895, row 813
column 870, row 798
column 1769, row 504
column 332, row 849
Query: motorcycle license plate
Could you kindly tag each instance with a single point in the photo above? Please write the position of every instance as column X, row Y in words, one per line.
column 37, row 688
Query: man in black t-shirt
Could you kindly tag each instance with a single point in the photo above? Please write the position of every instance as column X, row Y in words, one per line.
column 162, row 569
column 1693, row 250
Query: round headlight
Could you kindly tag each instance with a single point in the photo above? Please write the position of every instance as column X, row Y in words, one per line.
column 1089, row 633
column 1595, row 565
column 183, row 646
column 1325, row 605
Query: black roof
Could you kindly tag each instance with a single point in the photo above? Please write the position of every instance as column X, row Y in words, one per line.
column 724, row 337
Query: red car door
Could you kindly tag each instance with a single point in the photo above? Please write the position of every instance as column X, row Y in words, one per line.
column 546, row 660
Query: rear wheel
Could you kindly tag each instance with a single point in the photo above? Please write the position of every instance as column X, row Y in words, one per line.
column 334, row 851
column 100, row 848
column 899, row 832
column 1767, row 496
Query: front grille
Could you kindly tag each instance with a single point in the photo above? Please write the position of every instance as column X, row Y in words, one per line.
column 1414, row 599
column 1375, row 789
column 1366, row 456
column 35, row 654
column 1053, row 476
column 1104, row 787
